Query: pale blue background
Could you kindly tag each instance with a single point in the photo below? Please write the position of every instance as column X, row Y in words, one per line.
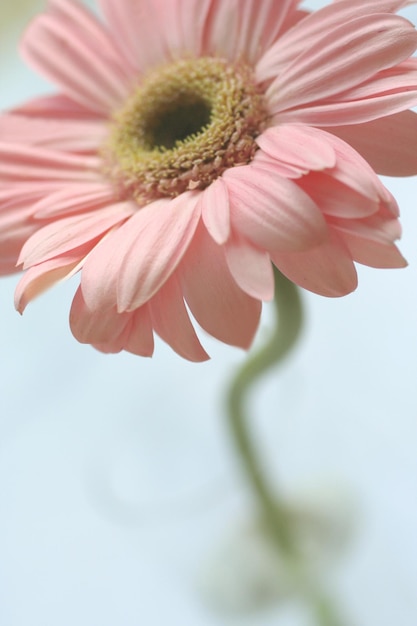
column 116, row 479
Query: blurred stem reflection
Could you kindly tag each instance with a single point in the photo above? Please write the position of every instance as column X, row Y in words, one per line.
column 276, row 517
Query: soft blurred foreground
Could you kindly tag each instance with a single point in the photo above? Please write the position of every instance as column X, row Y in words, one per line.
column 121, row 502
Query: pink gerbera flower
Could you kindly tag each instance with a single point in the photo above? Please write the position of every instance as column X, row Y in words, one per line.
column 194, row 142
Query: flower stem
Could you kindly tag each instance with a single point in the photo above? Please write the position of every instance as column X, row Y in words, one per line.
column 276, row 517
column 289, row 312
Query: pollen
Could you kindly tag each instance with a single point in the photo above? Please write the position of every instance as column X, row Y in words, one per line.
column 183, row 127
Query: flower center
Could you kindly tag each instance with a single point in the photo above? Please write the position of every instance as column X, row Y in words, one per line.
column 183, row 127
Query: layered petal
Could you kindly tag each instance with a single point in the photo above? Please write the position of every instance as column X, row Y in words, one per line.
column 56, row 107
column 110, row 331
column 346, row 57
column 350, row 188
column 76, row 198
column 171, row 321
column 251, row 268
column 168, row 30
column 271, row 211
column 352, row 170
column 388, row 144
column 314, row 28
column 68, row 46
column 11, row 242
column 386, row 93
column 39, row 278
column 244, row 30
column 25, row 163
column 374, row 253
column 300, row 148
column 17, row 201
column 68, row 136
column 380, row 228
column 129, row 266
column 215, row 300
column 16, row 220
column 215, row 210
column 62, row 236
column 337, row 199
column 327, row 269
column 371, row 240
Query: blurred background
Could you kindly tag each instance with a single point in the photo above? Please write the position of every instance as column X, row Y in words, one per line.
column 119, row 490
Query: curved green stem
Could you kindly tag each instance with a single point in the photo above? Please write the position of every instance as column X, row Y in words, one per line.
column 275, row 515
column 289, row 312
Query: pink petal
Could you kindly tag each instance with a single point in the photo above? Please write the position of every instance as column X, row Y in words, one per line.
column 344, row 58
column 110, row 331
column 387, row 92
column 315, row 27
column 400, row 78
column 373, row 253
column 292, row 20
column 217, row 303
column 41, row 277
column 352, row 112
column 16, row 221
column 16, row 210
column 17, row 201
column 91, row 32
column 354, row 172
column 75, row 198
column 271, row 211
column 68, row 135
column 160, row 243
column 62, row 236
column 215, row 210
column 245, row 30
column 335, row 198
column 36, row 163
column 68, row 46
column 134, row 25
column 301, row 147
column 172, row 323
column 13, row 216
column 264, row 161
column 11, row 242
column 55, row 107
column 130, row 265
column 140, row 339
column 8, row 263
column 251, row 268
column 388, row 144
column 153, row 32
column 379, row 228
column 327, row 269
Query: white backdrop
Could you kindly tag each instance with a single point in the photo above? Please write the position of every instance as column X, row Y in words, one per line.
column 117, row 482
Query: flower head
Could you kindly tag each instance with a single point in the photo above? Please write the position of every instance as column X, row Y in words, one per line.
column 192, row 144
